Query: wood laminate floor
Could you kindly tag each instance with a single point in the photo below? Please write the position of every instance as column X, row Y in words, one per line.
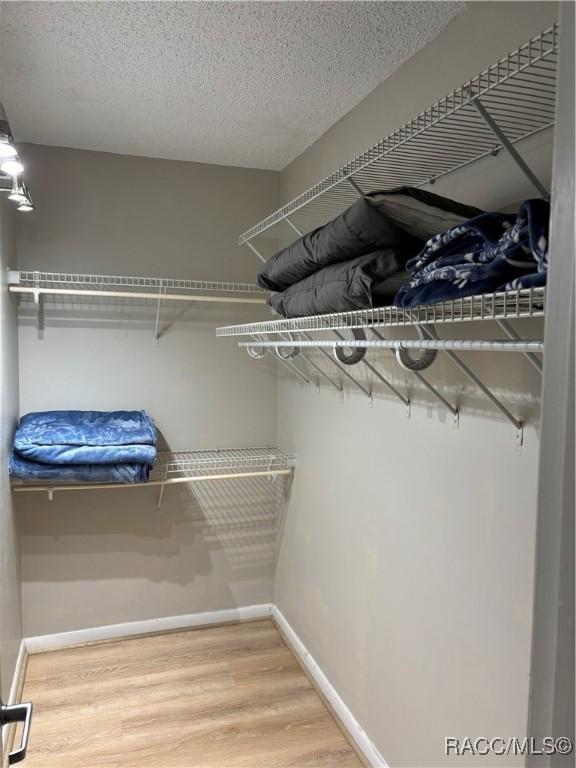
column 217, row 697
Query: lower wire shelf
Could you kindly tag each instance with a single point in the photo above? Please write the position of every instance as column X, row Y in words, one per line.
column 188, row 467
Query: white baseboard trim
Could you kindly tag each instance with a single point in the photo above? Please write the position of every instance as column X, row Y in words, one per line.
column 19, row 670
column 42, row 643
column 14, row 695
column 356, row 732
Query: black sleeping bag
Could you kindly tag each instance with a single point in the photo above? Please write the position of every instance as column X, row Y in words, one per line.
column 360, row 230
column 364, row 282
column 396, row 219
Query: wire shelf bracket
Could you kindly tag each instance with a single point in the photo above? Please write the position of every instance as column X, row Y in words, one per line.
column 430, row 332
column 510, row 148
column 380, row 377
column 430, row 387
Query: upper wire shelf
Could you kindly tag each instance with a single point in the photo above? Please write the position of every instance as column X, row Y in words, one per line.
column 519, row 93
column 505, row 305
column 38, row 283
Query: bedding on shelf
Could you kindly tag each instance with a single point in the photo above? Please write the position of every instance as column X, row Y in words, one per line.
column 361, row 283
column 349, row 262
column 84, row 446
column 491, row 252
column 24, row 469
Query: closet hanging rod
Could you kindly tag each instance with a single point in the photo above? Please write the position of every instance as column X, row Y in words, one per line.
column 465, row 345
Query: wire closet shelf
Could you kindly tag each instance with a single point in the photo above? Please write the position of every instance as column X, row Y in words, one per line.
column 174, row 467
column 505, row 305
column 503, row 105
column 36, row 284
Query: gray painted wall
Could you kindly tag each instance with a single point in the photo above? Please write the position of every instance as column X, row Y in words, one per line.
column 94, row 558
column 406, row 555
column 10, row 600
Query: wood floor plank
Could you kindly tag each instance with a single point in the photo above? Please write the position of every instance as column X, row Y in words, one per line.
column 219, row 697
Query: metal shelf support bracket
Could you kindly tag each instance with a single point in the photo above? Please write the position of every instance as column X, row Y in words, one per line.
column 255, row 251
column 157, row 334
column 430, row 387
column 510, row 148
column 39, row 302
column 343, row 370
column 354, row 184
column 324, row 376
column 378, row 375
column 512, row 334
column 294, row 227
column 469, row 373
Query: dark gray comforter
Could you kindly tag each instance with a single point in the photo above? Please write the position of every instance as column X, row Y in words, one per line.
column 367, row 281
column 325, row 270
column 361, row 229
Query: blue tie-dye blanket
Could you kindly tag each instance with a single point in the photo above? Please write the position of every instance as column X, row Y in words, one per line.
column 491, row 252
column 84, row 446
column 23, row 469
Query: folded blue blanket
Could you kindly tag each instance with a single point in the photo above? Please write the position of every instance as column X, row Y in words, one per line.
column 491, row 252
column 23, row 469
column 87, row 437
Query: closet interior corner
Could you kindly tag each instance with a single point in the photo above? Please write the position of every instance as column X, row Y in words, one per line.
column 286, row 403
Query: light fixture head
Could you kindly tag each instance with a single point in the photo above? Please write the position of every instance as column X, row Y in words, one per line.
column 17, row 198
column 12, row 167
column 7, row 149
column 18, row 192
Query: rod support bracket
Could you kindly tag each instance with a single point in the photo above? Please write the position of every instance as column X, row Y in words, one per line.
column 50, row 494
column 409, row 409
column 456, row 419
column 520, row 437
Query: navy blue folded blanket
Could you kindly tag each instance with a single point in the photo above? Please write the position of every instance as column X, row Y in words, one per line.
column 84, row 446
column 491, row 252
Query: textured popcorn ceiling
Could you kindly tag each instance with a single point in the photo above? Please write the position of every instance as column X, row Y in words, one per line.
column 236, row 83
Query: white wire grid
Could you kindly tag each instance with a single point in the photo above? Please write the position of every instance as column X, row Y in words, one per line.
column 213, row 461
column 519, row 92
column 505, row 305
column 92, row 284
